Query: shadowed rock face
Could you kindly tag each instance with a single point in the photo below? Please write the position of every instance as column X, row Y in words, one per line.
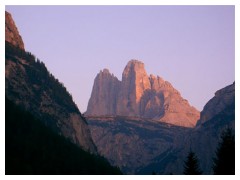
column 134, row 144
column 140, row 95
column 11, row 32
column 103, row 100
column 144, row 146
column 223, row 98
column 29, row 84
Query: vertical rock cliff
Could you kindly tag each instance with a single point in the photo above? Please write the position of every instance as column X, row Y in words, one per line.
column 29, row 84
column 134, row 82
column 223, row 98
column 140, row 96
column 103, row 99
column 11, row 32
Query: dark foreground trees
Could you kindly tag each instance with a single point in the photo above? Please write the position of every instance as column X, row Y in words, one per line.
column 224, row 162
column 34, row 149
column 191, row 166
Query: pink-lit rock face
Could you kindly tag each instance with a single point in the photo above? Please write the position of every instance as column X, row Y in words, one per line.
column 11, row 32
column 140, row 95
column 103, row 97
column 134, row 83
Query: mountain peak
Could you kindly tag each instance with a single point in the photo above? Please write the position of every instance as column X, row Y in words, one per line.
column 140, row 95
column 105, row 71
column 105, row 74
column 134, row 66
column 134, row 62
column 11, row 32
column 103, row 97
column 134, row 82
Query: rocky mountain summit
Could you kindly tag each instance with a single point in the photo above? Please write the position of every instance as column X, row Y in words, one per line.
column 103, row 94
column 11, row 32
column 139, row 95
column 146, row 146
column 30, row 85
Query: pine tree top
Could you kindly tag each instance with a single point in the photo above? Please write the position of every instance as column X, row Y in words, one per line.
column 191, row 165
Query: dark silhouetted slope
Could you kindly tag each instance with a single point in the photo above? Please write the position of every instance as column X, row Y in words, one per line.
column 33, row 148
column 29, row 84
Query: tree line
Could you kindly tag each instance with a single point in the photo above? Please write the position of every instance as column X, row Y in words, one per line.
column 223, row 162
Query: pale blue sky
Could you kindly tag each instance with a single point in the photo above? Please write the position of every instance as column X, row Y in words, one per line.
column 190, row 46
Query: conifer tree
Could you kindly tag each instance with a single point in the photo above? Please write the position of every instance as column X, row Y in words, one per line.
column 224, row 161
column 191, row 166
